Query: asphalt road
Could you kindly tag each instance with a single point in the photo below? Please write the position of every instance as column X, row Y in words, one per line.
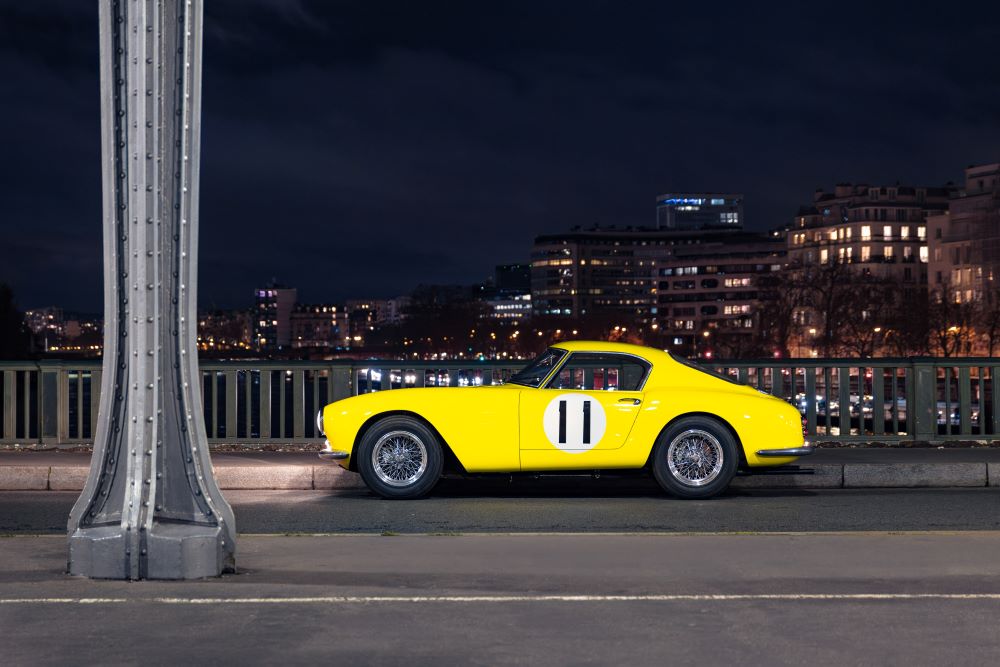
column 817, row 599
column 604, row 505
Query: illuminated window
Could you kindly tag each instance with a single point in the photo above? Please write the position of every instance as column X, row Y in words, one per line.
column 887, row 232
column 904, row 232
column 824, row 256
column 923, row 254
column 887, row 253
column 922, row 232
column 866, row 253
column 866, row 233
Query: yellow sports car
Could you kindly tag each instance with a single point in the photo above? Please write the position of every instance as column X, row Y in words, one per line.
column 578, row 406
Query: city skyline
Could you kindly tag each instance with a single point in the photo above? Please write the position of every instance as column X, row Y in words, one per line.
column 866, row 269
column 366, row 145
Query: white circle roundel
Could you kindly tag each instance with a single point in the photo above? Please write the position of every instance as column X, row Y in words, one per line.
column 574, row 422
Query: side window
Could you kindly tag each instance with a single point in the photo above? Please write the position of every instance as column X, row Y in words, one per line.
column 601, row 371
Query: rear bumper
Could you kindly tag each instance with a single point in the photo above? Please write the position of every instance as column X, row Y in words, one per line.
column 806, row 449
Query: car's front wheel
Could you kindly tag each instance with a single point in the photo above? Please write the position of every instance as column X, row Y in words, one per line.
column 695, row 457
column 400, row 457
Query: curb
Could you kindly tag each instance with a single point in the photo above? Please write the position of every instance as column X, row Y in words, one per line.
column 229, row 478
column 325, row 477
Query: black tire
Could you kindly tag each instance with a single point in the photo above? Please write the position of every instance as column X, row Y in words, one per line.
column 704, row 455
column 400, row 458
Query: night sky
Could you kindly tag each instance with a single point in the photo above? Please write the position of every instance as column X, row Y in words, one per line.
column 356, row 149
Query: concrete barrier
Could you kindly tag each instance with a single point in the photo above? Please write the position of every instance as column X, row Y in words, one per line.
column 67, row 478
column 330, row 477
column 888, row 475
column 285, row 477
column 825, row 476
column 24, row 478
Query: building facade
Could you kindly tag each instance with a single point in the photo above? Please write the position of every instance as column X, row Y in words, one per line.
column 319, row 326
column 508, row 307
column 694, row 211
column 964, row 240
column 512, row 279
column 272, row 317
column 606, row 270
column 709, row 294
column 880, row 229
column 221, row 331
column 859, row 252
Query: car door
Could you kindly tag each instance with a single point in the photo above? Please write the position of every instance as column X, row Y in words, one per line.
column 589, row 404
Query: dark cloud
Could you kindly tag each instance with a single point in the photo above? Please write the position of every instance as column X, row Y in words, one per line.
column 360, row 148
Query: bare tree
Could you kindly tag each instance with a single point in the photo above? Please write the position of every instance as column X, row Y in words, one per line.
column 951, row 323
column 863, row 325
column 828, row 290
column 780, row 295
column 905, row 331
column 988, row 317
column 14, row 336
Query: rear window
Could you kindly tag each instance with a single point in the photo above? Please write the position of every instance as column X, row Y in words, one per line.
column 707, row 371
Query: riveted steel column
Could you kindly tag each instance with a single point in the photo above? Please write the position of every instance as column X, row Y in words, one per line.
column 150, row 507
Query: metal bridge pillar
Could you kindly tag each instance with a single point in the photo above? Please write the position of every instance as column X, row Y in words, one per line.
column 151, row 508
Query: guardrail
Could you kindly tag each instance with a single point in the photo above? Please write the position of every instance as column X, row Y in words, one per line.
column 246, row 402
column 270, row 402
column 918, row 399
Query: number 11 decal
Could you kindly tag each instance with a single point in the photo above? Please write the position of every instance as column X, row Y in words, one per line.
column 586, row 422
column 574, row 422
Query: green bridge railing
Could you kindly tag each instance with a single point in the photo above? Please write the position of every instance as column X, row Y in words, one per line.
column 272, row 402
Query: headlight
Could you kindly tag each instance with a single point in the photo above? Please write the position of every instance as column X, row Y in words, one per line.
column 319, row 422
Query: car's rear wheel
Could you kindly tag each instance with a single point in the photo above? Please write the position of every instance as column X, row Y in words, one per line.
column 400, row 457
column 695, row 457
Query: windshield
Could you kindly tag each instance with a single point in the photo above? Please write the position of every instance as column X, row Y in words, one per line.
column 533, row 374
column 692, row 364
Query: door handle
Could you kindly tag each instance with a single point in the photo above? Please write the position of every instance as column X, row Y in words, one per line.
column 633, row 401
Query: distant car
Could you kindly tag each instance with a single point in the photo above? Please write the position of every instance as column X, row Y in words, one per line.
column 579, row 406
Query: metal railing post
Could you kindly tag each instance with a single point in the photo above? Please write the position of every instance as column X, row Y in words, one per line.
column 9, row 407
column 340, row 382
column 921, row 404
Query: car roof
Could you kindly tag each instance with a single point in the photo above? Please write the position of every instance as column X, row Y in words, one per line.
column 605, row 346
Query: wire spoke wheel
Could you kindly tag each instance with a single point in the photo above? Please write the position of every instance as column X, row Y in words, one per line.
column 695, row 457
column 399, row 458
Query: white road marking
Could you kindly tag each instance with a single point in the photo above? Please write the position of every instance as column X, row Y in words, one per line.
column 464, row 599
column 63, row 600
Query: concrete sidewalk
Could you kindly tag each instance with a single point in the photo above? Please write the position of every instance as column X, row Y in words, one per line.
column 831, row 468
